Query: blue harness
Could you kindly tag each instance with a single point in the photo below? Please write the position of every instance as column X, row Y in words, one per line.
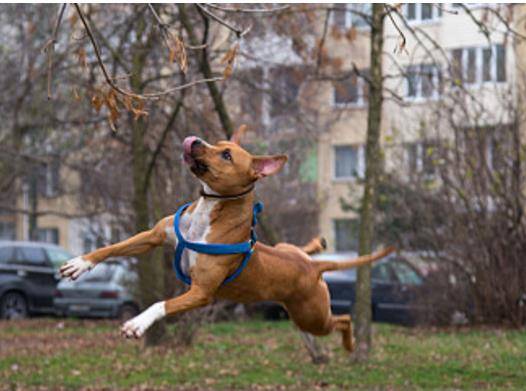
column 214, row 248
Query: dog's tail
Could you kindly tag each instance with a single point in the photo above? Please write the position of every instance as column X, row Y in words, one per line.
column 325, row 266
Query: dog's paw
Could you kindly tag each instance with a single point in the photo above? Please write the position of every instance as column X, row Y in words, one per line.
column 75, row 267
column 136, row 327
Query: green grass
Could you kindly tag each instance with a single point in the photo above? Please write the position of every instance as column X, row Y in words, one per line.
column 47, row 353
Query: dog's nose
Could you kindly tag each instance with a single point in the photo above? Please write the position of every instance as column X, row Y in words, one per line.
column 197, row 142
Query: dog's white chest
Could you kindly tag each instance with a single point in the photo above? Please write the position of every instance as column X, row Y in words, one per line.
column 195, row 227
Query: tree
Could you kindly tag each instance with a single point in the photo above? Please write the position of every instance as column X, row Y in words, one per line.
column 373, row 161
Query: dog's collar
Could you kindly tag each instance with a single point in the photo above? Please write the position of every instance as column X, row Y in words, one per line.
column 226, row 197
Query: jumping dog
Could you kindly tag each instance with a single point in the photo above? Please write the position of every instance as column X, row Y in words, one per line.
column 223, row 213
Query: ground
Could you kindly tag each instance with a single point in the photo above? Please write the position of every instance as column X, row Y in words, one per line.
column 50, row 353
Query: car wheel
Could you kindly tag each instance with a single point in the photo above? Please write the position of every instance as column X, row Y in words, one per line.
column 13, row 305
column 127, row 311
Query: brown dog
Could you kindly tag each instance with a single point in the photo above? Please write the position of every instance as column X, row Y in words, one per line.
column 284, row 273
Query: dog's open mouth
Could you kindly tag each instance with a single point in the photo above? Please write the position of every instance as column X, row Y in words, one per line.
column 198, row 167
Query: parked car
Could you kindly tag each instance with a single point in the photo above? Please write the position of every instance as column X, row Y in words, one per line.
column 395, row 284
column 28, row 277
column 107, row 291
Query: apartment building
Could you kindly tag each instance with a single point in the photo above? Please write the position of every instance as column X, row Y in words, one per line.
column 323, row 173
column 484, row 64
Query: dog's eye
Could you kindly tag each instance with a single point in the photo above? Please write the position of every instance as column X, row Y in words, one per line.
column 226, row 155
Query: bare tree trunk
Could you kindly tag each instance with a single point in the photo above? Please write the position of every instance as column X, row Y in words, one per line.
column 373, row 162
column 150, row 268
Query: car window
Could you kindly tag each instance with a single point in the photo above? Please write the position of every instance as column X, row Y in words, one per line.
column 101, row 273
column 6, row 254
column 57, row 256
column 406, row 275
column 32, row 256
column 381, row 273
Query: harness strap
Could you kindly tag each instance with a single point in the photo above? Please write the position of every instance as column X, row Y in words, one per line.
column 246, row 248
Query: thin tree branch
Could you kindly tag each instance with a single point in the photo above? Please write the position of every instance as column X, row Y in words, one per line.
column 403, row 41
column 239, row 33
column 109, row 80
column 322, row 40
column 49, row 47
column 249, row 10
column 160, row 144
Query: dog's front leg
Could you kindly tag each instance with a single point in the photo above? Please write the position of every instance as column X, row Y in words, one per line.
column 194, row 298
column 138, row 244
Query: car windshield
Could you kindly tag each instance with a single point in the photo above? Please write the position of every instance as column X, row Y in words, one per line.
column 58, row 256
column 406, row 275
column 102, row 273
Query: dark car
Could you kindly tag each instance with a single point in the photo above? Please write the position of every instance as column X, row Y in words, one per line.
column 395, row 284
column 28, row 277
column 105, row 291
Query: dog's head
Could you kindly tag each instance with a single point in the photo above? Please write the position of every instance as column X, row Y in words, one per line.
column 226, row 167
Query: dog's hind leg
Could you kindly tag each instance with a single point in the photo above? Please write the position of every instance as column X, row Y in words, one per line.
column 343, row 323
column 315, row 246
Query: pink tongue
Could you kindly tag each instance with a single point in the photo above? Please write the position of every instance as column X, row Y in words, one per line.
column 187, row 144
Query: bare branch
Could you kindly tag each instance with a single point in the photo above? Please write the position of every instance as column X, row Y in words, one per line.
column 249, row 10
column 110, row 82
column 403, row 41
column 49, row 48
column 239, row 33
column 322, row 40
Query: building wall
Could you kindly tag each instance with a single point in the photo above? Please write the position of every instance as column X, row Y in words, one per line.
column 400, row 124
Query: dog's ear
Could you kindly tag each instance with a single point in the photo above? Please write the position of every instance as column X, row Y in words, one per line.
column 268, row 165
column 238, row 134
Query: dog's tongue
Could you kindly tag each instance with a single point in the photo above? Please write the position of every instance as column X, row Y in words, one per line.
column 187, row 148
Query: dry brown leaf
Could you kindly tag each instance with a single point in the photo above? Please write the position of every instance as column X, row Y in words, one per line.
column 97, row 101
column 127, row 102
column 229, row 59
column 178, row 53
column 82, row 57
column 73, row 19
column 139, row 111
column 351, row 34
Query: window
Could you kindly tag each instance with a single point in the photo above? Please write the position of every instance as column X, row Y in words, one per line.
column 471, row 69
column 486, row 64
column 34, row 256
column 418, row 12
column 429, row 157
column 423, row 81
column 57, row 256
column 422, row 157
column 381, row 273
column 48, row 179
column 348, row 161
column 251, row 85
column 102, row 273
column 7, row 230
column 501, row 63
column 285, row 85
column 346, row 234
column 48, row 235
column 477, row 65
column 339, row 15
column 6, row 254
column 405, row 274
column 346, row 16
column 352, row 91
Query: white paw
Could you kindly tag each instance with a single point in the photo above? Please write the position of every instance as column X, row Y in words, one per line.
column 136, row 327
column 75, row 267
